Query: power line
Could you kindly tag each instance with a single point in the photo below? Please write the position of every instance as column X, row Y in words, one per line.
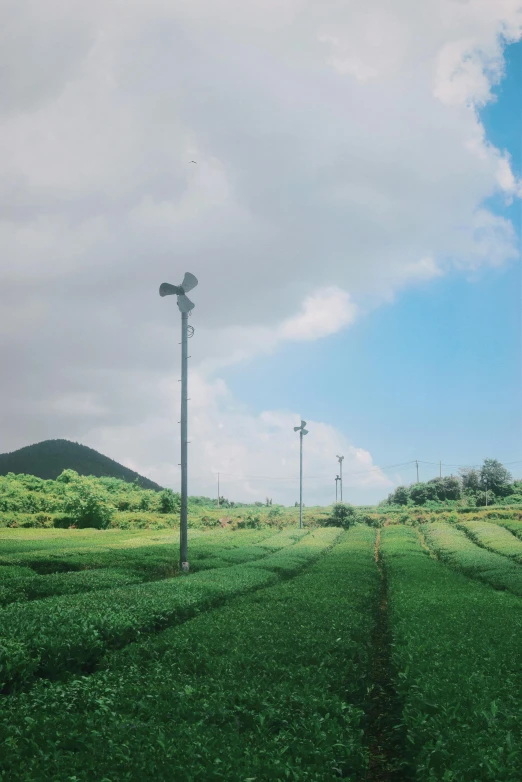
column 243, row 476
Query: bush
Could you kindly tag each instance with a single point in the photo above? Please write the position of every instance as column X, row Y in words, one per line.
column 248, row 522
column 482, row 496
column 86, row 507
column 343, row 515
column 169, row 502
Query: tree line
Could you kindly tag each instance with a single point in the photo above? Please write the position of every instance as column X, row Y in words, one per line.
column 84, row 501
column 490, row 484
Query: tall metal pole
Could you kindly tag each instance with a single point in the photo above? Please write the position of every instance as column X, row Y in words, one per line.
column 336, row 481
column 184, row 306
column 301, row 479
column 183, row 527
column 340, row 460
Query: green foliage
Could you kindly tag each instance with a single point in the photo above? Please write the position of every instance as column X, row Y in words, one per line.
column 470, row 480
column 400, row 496
column 454, row 547
column 86, row 506
column 470, row 488
column 456, row 649
column 271, row 687
column 484, row 498
column 494, row 477
column 169, row 502
column 72, row 632
column 420, row 492
column 343, row 515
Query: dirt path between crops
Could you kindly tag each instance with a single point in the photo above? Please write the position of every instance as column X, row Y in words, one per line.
column 385, row 740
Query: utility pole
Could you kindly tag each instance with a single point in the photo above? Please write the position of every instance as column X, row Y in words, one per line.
column 184, row 306
column 417, row 463
column 218, row 490
column 340, row 460
column 336, row 481
column 183, row 527
column 302, row 431
column 440, row 469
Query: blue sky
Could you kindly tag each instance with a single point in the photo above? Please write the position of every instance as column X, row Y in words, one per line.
column 434, row 375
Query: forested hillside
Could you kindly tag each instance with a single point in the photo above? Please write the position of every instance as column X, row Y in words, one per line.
column 51, row 457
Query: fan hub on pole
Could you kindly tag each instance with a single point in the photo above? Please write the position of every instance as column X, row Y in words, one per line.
column 184, row 303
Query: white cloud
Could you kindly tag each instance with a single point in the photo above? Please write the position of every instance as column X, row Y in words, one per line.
column 257, row 455
column 322, row 314
column 340, row 158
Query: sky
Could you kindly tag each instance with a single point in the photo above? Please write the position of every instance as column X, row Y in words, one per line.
column 353, row 218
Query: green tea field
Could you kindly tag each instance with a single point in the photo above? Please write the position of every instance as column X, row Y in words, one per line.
column 369, row 653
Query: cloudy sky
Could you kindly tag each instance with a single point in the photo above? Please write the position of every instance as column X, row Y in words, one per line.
column 353, row 218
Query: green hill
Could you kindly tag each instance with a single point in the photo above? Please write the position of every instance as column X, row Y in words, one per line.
column 50, row 457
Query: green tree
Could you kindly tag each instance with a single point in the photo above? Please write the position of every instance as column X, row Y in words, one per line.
column 169, row 501
column 86, row 506
column 452, row 487
column 68, row 476
column 343, row 515
column 481, row 498
column 470, row 480
column 419, row 493
column 494, row 477
column 400, row 496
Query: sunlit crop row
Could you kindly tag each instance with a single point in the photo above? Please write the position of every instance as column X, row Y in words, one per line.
column 457, row 646
column 493, row 537
column 456, row 549
column 271, row 686
column 71, row 633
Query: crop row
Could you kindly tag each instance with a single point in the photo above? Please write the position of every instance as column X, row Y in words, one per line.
column 493, row 537
column 159, row 558
column 457, row 647
column 271, row 686
column 19, row 583
column 71, row 633
column 513, row 525
column 454, row 548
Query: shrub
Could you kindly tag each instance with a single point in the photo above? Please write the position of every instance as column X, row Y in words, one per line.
column 87, row 508
column 482, row 496
column 248, row 522
column 169, row 502
column 343, row 515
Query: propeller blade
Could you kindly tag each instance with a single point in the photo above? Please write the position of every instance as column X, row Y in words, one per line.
column 296, row 428
column 189, row 282
column 305, row 431
column 303, row 423
column 166, row 289
column 184, row 304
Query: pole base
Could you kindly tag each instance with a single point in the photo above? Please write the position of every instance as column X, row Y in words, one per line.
column 185, row 567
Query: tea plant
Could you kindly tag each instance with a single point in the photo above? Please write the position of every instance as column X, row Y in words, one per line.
column 71, row 633
column 494, row 538
column 271, row 686
column 453, row 547
column 457, row 650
